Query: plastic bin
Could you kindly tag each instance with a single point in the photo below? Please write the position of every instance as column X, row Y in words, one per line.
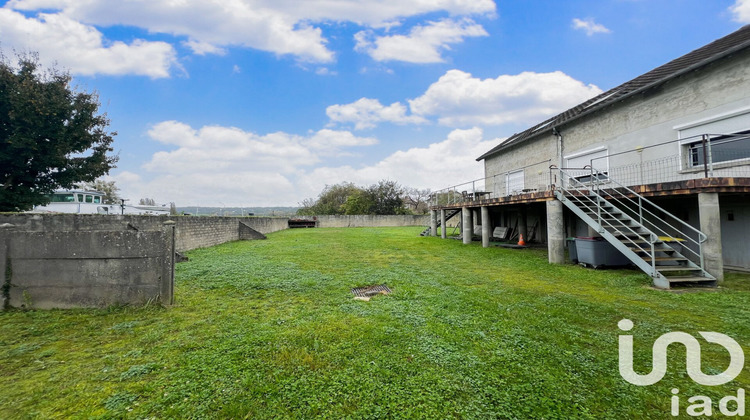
column 572, row 252
column 597, row 252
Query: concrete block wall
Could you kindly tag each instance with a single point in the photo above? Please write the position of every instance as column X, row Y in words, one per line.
column 94, row 268
column 372, row 220
column 192, row 232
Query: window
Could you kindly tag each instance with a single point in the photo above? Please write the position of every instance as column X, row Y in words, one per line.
column 514, row 182
column 62, row 198
column 578, row 164
column 80, row 198
column 97, row 199
column 724, row 148
column 729, row 138
column 89, row 199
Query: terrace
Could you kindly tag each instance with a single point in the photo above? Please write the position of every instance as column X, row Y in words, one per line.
column 709, row 162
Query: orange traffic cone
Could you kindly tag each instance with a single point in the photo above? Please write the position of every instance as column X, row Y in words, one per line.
column 521, row 242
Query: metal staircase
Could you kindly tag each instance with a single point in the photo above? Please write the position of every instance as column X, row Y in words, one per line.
column 638, row 228
column 448, row 215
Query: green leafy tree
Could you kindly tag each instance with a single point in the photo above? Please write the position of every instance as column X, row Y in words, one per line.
column 51, row 135
column 387, row 198
column 359, row 202
column 331, row 200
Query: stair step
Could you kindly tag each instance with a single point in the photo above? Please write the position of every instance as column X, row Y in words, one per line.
column 621, row 234
column 677, row 268
column 686, row 279
column 665, row 259
column 637, row 250
column 605, row 215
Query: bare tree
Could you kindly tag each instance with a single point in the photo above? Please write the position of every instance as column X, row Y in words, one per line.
column 416, row 199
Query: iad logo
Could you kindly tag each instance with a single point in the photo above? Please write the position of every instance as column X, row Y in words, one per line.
column 702, row 404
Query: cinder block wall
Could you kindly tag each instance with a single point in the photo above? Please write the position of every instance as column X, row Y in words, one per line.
column 192, row 232
column 372, row 220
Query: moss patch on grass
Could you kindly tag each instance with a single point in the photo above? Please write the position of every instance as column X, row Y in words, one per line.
column 269, row 329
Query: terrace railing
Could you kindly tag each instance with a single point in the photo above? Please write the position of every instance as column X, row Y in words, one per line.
column 524, row 179
column 702, row 156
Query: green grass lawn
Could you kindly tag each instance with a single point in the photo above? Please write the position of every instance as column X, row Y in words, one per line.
column 269, row 329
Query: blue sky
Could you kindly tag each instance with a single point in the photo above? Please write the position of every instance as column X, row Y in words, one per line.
column 264, row 102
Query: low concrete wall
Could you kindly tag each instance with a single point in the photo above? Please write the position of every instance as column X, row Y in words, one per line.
column 69, row 269
column 192, row 232
column 372, row 220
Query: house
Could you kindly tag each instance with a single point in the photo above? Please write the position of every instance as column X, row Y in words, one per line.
column 659, row 167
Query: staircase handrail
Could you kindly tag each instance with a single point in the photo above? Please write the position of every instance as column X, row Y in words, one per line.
column 652, row 237
column 597, row 176
column 641, row 197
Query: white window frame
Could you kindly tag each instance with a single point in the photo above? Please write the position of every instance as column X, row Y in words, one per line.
column 508, row 190
column 581, row 153
column 684, row 144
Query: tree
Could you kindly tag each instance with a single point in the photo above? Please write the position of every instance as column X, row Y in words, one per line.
column 146, row 202
column 331, row 200
column 347, row 198
column 51, row 135
column 387, row 197
column 306, row 207
column 416, row 200
column 359, row 202
column 107, row 187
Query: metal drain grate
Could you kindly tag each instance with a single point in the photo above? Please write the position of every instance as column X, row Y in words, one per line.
column 367, row 291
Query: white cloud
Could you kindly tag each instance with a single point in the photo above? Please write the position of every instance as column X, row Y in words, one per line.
column 436, row 166
column 367, row 113
column 424, row 44
column 227, row 165
column 458, row 99
column 283, row 27
column 82, row 48
column 589, row 26
column 203, row 48
column 741, row 11
column 324, row 71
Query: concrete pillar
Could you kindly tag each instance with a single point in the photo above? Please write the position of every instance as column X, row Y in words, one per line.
column 555, row 232
column 485, row 226
column 710, row 217
column 466, row 224
column 433, row 222
column 523, row 224
column 472, row 219
column 167, row 287
column 443, row 228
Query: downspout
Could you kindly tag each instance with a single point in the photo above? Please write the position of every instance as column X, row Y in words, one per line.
column 560, row 163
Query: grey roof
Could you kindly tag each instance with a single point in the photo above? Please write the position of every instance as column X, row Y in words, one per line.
column 716, row 50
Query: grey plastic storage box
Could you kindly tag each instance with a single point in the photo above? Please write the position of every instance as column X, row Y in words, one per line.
column 597, row 252
column 572, row 249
